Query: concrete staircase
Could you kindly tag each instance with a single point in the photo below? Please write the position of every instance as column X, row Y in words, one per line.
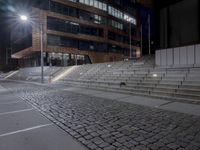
column 33, row 74
column 138, row 78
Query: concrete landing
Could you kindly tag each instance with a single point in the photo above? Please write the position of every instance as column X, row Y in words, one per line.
column 186, row 108
column 22, row 127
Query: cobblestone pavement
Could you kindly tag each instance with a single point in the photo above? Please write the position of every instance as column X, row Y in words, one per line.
column 102, row 124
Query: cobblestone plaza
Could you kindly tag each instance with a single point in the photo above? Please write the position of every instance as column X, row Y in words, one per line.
column 102, row 124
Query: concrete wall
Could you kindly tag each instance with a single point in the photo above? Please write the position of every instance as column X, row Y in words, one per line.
column 179, row 56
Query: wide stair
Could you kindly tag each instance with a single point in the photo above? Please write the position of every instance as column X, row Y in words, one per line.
column 138, row 78
column 33, row 74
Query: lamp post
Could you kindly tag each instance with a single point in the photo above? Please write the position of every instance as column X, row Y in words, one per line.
column 149, row 30
column 130, row 41
column 24, row 18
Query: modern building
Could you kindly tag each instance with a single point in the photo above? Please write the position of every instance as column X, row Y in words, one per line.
column 78, row 32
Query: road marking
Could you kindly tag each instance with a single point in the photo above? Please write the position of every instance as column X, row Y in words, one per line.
column 24, row 130
column 14, row 102
column 12, row 112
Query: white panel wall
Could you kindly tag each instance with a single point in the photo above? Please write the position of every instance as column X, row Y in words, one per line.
column 163, row 57
column 183, row 55
column 190, row 55
column 176, row 56
column 158, row 58
column 197, row 54
column 169, row 57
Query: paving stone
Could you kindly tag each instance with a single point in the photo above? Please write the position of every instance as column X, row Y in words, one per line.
column 173, row 146
column 92, row 146
column 110, row 148
column 142, row 147
column 103, row 145
column 117, row 144
column 101, row 124
column 97, row 140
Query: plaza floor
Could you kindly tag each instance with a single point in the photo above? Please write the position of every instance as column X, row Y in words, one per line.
column 56, row 117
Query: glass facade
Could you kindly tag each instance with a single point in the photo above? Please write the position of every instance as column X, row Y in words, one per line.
column 75, row 28
column 84, row 15
column 72, row 27
column 63, row 9
column 123, row 39
column 65, row 59
column 60, row 8
column 95, row 3
column 110, row 9
column 74, row 12
column 54, row 59
column 75, row 43
column 55, row 40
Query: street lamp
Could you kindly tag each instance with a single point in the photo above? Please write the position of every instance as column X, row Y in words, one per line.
column 25, row 18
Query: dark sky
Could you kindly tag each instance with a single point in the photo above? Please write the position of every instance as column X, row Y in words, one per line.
column 8, row 11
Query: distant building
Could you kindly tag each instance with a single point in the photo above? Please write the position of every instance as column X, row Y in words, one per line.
column 79, row 31
column 179, row 23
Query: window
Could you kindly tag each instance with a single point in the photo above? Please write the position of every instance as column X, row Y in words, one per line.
column 95, row 3
column 115, row 49
column 118, row 14
column 92, row 46
column 101, row 5
column 72, row 27
column 63, row 9
column 91, row 2
column 61, row 41
column 116, row 24
column 104, row 7
column 87, row 2
column 53, row 40
column 72, row 0
column 92, row 17
column 71, row 11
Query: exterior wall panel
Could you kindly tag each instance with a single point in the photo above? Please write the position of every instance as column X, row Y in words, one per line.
column 190, row 55
column 183, row 55
column 158, row 58
column 176, row 56
column 197, row 54
column 163, row 57
column 169, row 57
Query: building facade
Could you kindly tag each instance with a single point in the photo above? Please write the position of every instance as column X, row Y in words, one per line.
column 78, row 32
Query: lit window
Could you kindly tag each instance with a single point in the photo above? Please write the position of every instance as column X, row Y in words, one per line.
column 87, row 2
column 104, row 7
column 101, row 5
column 96, row 3
column 91, row 2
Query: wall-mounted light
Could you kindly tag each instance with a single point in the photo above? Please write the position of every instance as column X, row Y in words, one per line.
column 155, row 75
column 109, row 66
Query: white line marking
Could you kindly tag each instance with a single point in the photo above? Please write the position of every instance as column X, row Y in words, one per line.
column 12, row 112
column 13, row 73
column 24, row 130
column 14, row 102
